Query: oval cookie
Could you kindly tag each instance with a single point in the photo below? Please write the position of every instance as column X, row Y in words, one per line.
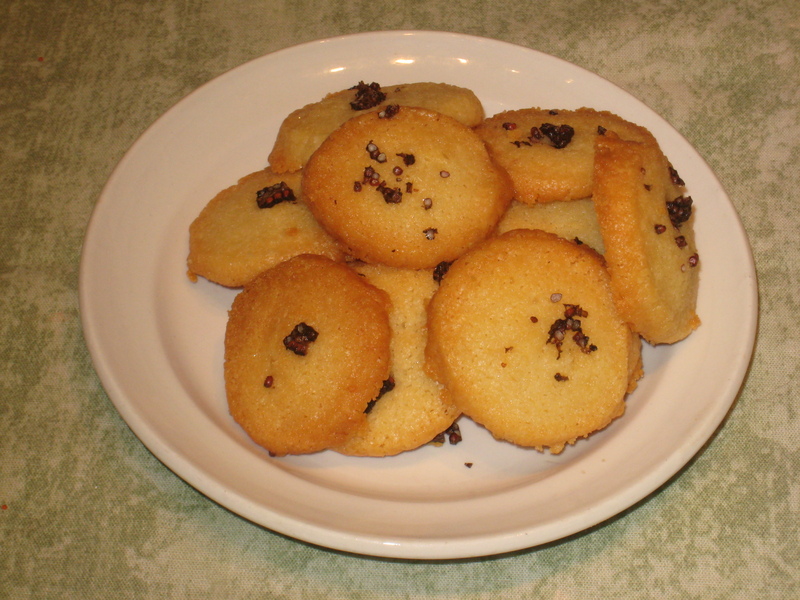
column 647, row 226
column 409, row 188
column 306, row 349
column 549, row 154
column 306, row 128
column 412, row 410
column 233, row 239
column 524, row 334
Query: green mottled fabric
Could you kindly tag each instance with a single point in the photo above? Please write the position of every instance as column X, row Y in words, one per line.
column 87, row 512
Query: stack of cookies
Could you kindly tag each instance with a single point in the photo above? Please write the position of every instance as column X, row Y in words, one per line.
column 404, row 261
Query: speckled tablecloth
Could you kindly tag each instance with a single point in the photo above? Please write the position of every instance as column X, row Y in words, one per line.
column 87, row 512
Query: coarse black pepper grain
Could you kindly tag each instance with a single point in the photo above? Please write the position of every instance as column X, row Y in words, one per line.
column 440, row 271
column 389, row 112
column 300, row 339
column 680, row 210
column 408, row 159
column 674, row 177
column 274, row 194
column 559, row 135
column 367, row 96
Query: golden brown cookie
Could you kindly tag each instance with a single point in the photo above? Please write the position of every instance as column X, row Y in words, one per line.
column 647, row 225
column 549, row 154
column 232, row 239
column 412, row 410
column 305, row 129
column 406, row 188
column 574, row 220
column 525, row 336
column 306, row 349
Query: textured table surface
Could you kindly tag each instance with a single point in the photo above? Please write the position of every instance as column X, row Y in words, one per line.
column 87, row 512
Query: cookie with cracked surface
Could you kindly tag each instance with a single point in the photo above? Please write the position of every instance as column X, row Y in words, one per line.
column 525, row 336
column 306, row 349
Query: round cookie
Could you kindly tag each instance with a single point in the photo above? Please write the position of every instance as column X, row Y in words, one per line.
column 306, row 349
column 412, row 410
column 524, row 334
column 406, row 188
column 647, row 227
column 306, row 128
column 232, row 239
column 549, row 154
column 574, row 220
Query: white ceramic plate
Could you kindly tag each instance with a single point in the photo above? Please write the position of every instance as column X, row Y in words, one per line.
column 156, row 339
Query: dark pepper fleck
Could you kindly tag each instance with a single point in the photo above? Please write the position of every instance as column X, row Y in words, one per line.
column 390, row 195
column 408, row 159
column 441, row 270
column 388, row 386
column 452, row 433
column 299, row 340
column 274, row 194
column 559, row 135
column 570, row 322
column 389, row 112
column 367, row 96
column 680, row 210
column 676, row 179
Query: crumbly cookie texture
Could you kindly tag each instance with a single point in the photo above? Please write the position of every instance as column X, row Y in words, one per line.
column 412, row 409
column 252, row 226
column 646, row 221
column 574, row 220
column 525, row 336
column 306, row 350
column 549, row 154
column 406, row 187
column 306, row 128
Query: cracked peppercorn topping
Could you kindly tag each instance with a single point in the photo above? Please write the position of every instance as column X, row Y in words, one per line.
column 367, row 96
column 274, row 194
column 292, row 404
column 635, row 191
column 573, row 130
column 459, row 192
column 680, row 210
column 570, row 323
column 497, row 363
column 299, row 340
column 549, row 154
